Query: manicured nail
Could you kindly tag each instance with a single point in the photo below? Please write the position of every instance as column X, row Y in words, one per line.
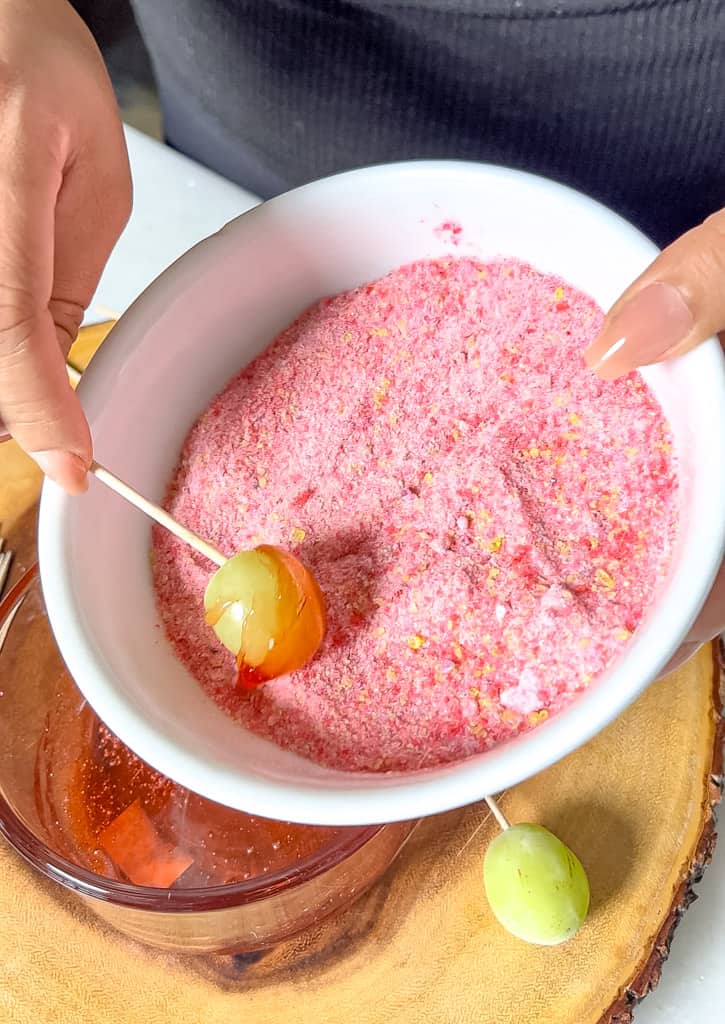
column 654, row 321
column 65, row 469
column 681, row 655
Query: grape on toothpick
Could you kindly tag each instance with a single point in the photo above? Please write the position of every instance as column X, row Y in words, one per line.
column 263, row 604
column 536, row 887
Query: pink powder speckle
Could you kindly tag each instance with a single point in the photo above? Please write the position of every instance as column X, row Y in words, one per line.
column 449, row 231
column 487, row 519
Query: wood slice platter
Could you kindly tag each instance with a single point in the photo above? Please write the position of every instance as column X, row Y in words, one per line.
column 636, row 805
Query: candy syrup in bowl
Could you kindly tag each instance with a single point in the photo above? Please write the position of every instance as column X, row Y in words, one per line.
column 159, row 863
column 217, row 308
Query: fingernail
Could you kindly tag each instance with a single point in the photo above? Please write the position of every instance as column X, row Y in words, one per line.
column 646, row 328
column 65, row 469
column 681, row 655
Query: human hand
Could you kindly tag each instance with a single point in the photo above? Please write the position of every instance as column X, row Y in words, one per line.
column 65, row 196
column 676, row 304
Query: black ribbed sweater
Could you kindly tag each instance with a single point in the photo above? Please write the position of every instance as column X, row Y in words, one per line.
column 624, row 99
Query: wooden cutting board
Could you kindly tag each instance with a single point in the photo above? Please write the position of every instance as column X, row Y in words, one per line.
column 636, row 804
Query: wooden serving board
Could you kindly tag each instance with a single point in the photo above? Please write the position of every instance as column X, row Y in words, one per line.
column 636, row 804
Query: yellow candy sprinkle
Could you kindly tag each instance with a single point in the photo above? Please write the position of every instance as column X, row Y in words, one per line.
column 604, row 579
column 380, row 393
column 415, row 642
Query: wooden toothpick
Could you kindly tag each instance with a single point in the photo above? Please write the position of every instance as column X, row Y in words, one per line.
column 155, row 512
column 497, row 813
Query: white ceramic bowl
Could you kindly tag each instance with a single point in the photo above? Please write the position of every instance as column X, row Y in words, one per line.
column 191, row 331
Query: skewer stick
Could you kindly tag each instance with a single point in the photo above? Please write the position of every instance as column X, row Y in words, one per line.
column 497, row 813
column 155, row 512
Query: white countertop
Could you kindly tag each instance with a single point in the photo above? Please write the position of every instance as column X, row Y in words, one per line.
column 177, row 203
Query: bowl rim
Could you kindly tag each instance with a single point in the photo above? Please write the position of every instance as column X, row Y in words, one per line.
column 36, row 852
column 397, row 796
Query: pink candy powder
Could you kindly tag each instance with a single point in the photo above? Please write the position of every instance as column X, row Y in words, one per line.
column 486, row 518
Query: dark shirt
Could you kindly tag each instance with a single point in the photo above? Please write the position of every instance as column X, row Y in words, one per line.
column 623, row 99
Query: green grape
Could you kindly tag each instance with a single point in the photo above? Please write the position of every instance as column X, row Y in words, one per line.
column 535, row 885
column 267, row 609
column 242, row 604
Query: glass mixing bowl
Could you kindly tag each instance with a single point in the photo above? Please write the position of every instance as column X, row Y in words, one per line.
column 214, row 880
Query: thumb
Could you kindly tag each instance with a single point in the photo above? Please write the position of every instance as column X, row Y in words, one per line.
column 52, row 250
column 677, row 303
column 41, row 411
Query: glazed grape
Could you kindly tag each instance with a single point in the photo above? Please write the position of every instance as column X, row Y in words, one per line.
column 267, row 609
column 536, row 886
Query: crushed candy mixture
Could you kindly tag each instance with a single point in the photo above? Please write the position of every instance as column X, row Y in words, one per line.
column 486, row 518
